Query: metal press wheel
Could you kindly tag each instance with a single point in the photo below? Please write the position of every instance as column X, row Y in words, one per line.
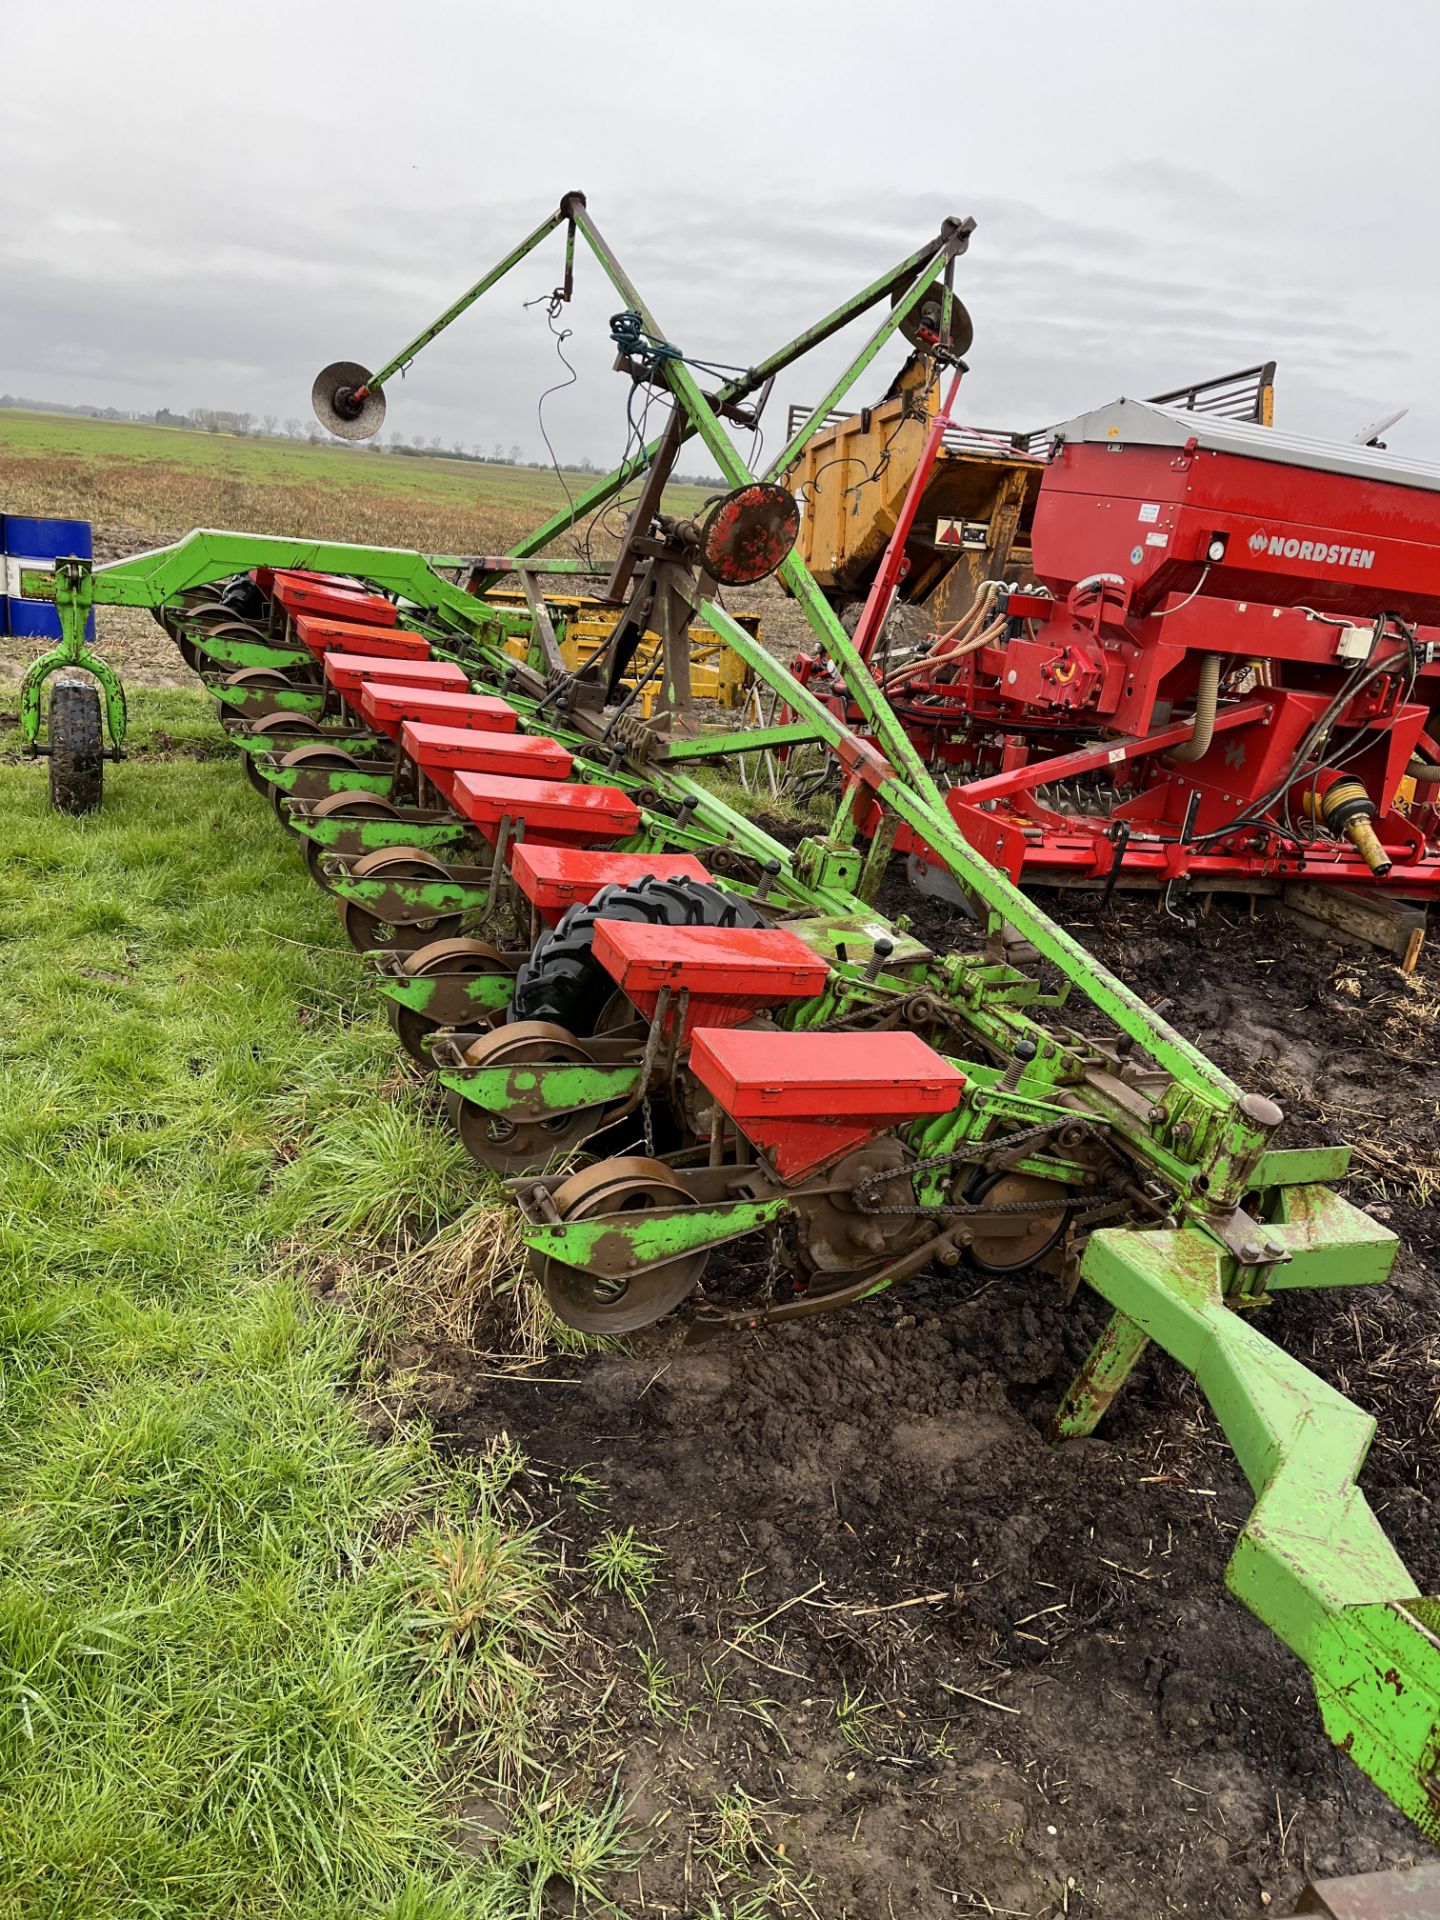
column 355, row 806
column 619, row 1187
column 462, row 956
column 366, row 931
column 509, row 1146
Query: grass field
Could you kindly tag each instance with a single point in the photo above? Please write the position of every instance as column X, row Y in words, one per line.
column 257, row 1641
column 163, row 480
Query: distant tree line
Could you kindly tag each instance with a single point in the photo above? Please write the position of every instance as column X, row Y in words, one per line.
column 223, row 420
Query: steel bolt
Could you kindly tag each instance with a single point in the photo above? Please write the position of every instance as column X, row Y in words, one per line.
column 767, row 879
column 879, row 954
column 1025, row 1052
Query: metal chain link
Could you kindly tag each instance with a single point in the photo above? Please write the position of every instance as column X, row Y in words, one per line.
column 968, row 1155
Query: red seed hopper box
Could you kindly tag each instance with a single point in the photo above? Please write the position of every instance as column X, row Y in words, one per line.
column 728, row 972
column 302, row 593
column 387, row 707
column 526, row 756
column 553, row 878
column 346, row 672
column 552, row 810
column 806, row 1098
column 352, row 636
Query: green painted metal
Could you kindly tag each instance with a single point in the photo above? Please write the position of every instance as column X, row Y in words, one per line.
column 367, row 836
column 316, row 785
column 1294, row 1166
column 613, row 1245
column 484, row 992
column 230, row 654
column 400, row 361
column 72, row 602
column 536, row 1092
column 262, row 700
column 1311, row 1561
column 411, row 899
column 715, row 746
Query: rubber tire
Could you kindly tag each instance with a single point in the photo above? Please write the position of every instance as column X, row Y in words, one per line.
column 563, row 982
column 244, row 598
column 77, row 746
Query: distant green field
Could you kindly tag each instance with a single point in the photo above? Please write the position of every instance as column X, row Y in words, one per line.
column 165, row 479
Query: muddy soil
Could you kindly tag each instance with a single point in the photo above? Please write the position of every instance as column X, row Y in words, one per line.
column 956, row 1669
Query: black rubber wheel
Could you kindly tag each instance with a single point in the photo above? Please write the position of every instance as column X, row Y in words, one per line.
column 563, row 982
column 77, row 746
column 243, row 597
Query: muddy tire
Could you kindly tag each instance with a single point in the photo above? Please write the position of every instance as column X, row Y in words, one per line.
column 563, row 982
column 77, row 746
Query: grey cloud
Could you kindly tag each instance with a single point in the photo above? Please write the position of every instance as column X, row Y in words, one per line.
column 224, row 213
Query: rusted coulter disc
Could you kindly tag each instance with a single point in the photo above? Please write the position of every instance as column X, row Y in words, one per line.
column 749, row 533
column 628, row 1185
column 466, row 958
column 369, row 932
column 224, row 627
column 508, row 1144
column 921, row 326
column 315, row 758
column 337, row 408
column 1029, row 1236
column 354, row 806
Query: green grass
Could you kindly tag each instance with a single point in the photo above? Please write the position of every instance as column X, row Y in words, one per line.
column 247, row 1653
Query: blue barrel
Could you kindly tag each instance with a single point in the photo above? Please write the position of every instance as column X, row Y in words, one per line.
column 38, row 543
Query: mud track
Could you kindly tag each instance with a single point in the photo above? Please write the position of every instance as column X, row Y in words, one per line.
column 960, row 1671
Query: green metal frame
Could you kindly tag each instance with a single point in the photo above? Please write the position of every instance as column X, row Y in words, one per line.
column 1241, row 1220
column 71, row 650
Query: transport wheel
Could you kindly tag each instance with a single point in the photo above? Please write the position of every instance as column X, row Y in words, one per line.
column 243, row 597
column 355, row 806
column 563, row 981
column 509, row 1146
column 466, row 957
column 620, row 1187
column 1033, row 1234
column 77, row 745
column 366, row 931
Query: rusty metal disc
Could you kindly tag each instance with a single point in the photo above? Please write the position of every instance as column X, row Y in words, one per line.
column 370, row 932
column 749, row 533
column 456, row 956
column 1023, row 1238
column 921, row 326
column 315, row 757
column 463, row 957
column 335, row 404
column 258, row 677
column 284, row 722
column 508, row 1145
column 591, row 1304
column 254, row 683
column 353, row 805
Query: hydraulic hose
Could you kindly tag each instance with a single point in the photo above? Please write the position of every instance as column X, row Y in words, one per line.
column 1207, row 693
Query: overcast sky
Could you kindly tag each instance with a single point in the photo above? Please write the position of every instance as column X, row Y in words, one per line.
column 203, row 204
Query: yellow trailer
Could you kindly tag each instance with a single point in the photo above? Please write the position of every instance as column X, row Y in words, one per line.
column 975, row 516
